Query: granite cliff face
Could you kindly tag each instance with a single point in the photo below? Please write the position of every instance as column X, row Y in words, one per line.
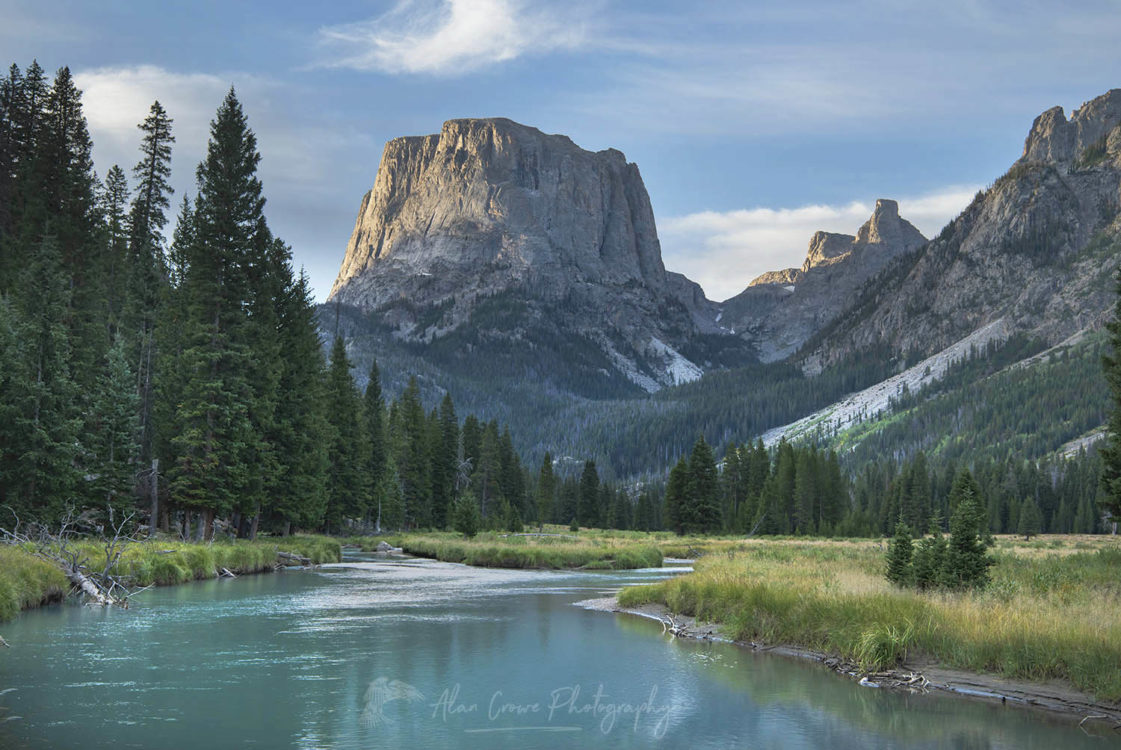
column 496, row 230
column 781, row 310
column 1037, row 251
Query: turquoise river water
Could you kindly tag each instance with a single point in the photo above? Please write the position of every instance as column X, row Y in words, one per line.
column 410, row 654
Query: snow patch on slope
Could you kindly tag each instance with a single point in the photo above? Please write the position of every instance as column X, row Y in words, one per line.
column 677, row 368
column 866, row 404
column 630, row 370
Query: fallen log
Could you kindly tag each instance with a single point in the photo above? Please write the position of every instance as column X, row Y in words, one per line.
column 3, row 642
column 295, row 559
column 90, row 589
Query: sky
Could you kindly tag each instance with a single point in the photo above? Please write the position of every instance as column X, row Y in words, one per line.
column 753, row 124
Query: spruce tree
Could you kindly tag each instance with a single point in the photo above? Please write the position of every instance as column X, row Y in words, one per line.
column 347, row 454
column 546, row 491
column 1030, row 520
column 930, row 556
column 214, row 431
column 113, row 204
column 899, row 553
column 1110, row 451
column 702, row 492
column 676, row 488
column 588, row 511
column 146, row 272
column 966, row 562
column 414, row 460
column 114, row 442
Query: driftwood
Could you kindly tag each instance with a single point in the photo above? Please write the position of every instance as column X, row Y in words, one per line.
column 105, row 586
column 293, row 559
column 3, row 642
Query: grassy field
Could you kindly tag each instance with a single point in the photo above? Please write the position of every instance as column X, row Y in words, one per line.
column 585, row 550
column 26, row 581
column 1052, row 610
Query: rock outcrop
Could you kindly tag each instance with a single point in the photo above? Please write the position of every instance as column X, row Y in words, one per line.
column 781, row 310
column 492, row 214
column 1039, row 249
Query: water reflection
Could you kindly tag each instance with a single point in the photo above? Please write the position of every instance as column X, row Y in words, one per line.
column 340, row 657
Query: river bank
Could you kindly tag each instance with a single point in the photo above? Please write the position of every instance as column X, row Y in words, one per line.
column 27, row 581
column 911, row 676
column 550, row 551
column 1045, row 633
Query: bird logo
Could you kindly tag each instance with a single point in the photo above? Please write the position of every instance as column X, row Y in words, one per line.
column 381, row 691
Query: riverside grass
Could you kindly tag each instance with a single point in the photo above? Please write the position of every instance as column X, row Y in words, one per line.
column 27, row 581
column 586, row 551
column 1051, row 611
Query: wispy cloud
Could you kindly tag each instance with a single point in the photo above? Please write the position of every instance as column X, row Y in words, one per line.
column 724, row 250
column 449, row 37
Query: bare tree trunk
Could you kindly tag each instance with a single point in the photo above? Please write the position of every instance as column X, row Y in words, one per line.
column 255, row 522
column 153, row 519
column 287, row 528
column 209, row 515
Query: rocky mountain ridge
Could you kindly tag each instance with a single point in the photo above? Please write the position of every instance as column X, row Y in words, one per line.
column 1036, row 249
column 780, row 310
column 496, row 230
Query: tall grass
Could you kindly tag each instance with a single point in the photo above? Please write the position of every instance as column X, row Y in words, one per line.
column 26, row 581
column 1051, row 612
column 492, row 550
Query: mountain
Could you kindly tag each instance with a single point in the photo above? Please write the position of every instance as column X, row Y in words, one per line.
column 491, row 239
column 780, row 310
column 522, row 274
column 1036, row 251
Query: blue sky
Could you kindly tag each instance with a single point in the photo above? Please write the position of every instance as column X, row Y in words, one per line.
column 753, row 124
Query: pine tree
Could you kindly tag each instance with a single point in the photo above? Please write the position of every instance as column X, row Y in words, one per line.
column 465, row 515
column 588, row 511
column 114, row 442
column 546, row 491
column 414, row 460
column 702, row 492
column 39, row 443
column 445, row 463
column 302, row 431
column 146, row 274
column 930, row 556
column 347, row 455
column 676, row 488
column 114, row 199
column 1030, row 520
column 966, row 563
column 375, row 423
column 899, row 553
column 1110, row 451
column 213, row 426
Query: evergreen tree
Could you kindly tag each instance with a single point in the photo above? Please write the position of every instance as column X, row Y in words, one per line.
column 146, row 274
column 114, row 199
column 114, row 443
column 676, row 489
column 1110, row 500
column 930, row 556
column 347, row 455
column 966, row 563
column 465, row 515
column 546, row 491
column 702, row 492
column 414, row 459
column 899, row 553
column 588, row 511
column 213, row 428
column 1029, row 521
column 302, row 430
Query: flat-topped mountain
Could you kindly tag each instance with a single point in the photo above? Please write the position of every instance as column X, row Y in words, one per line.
column 496, row 231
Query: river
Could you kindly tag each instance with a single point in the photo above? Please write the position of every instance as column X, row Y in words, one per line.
column 419, row 654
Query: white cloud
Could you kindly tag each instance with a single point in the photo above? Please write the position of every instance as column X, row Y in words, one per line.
column 449, row 37
column 724, row 251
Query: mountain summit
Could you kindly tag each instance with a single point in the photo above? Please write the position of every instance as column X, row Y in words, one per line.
column 780, row 310
column 496, row 231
